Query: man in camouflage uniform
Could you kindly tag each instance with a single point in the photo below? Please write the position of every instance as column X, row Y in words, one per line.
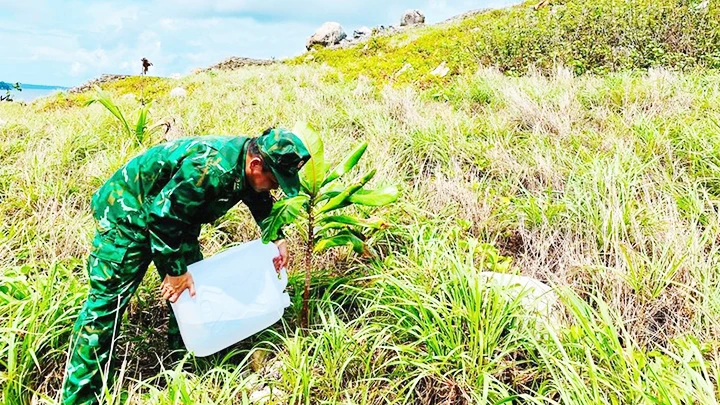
column 151, row 210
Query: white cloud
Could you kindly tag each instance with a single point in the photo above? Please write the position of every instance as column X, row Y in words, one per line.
column 77, row 69
column 108, row 17
column 177, row 35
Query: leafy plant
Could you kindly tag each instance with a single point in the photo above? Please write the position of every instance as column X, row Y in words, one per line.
column 140, row 130
column 318, row 201
column 8, row 87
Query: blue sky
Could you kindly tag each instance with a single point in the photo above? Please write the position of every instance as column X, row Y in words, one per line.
column 66, row 42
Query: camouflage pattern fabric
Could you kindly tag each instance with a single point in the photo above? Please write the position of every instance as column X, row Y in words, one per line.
column 151, row 210
column 175, row 186
column 285, row 154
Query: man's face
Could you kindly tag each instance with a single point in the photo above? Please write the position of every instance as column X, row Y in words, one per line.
column 259, row 179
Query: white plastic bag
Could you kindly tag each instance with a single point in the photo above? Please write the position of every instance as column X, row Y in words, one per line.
column 238, row 294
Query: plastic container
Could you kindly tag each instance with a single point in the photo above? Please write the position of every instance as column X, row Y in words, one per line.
column 237, row 293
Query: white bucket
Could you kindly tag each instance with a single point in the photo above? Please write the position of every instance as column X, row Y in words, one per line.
column 238, row 294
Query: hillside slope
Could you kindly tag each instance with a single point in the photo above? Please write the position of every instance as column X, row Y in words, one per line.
column 604, row 185
column 586, row 36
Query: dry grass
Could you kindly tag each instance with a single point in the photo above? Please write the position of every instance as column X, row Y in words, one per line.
column 602, row 185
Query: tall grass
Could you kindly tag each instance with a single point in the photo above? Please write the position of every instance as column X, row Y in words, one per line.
column 603, row 186
column 597, row 36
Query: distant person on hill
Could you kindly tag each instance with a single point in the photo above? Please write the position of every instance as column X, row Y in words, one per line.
column 145, row 66
column 151, row 210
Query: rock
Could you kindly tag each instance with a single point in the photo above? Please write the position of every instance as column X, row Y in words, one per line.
column 702, row 6
column 272, row 371
column 330, row 33
column 266, row 394
column 360, row 35
column 402, row 69
column 383, row 30
column 235, row 63
column 412, row 17
column 441, row 70
column 537, row 296
column 260, row 396
column 90, row 85
column 178, row 92
column 2, row 122
column 362, row 32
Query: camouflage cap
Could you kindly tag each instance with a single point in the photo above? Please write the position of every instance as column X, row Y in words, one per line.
column 285, row 154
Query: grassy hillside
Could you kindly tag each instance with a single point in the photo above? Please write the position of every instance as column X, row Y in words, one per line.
column 606, row 186
column 586, row 36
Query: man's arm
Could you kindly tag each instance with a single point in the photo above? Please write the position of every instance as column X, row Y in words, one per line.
column 260, row 205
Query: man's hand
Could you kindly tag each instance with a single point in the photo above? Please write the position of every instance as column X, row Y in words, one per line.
column 172, row 287
column 282, row 260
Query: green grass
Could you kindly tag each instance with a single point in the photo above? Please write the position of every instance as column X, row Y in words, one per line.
column 605, row 186
column 587, row 36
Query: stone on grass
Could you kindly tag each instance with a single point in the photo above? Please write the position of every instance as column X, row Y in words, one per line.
column 412, row 17
column 330, row 33
column 441, row 70
column 538, row 297
column 362, row 32
column 405, row 67
column 178, row 92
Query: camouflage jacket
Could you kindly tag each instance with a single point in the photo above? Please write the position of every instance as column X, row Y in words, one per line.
column 166, row 193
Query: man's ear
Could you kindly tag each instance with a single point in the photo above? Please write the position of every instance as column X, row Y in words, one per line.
column 256, row 162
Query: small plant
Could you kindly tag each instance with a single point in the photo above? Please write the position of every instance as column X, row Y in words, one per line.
column 142, row 129
column 8, row 88
column 318, row 201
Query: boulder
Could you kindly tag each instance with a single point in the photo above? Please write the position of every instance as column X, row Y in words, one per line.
column 266, row 394
column 330, row 33
column 441, row 70
column 383, row 30
column 402, row 69
column 702, row 6
column 362, row 32
column 178, row 92
column 538, row 297
column 412, row 17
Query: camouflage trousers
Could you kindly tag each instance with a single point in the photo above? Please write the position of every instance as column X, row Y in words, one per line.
column 116, row 266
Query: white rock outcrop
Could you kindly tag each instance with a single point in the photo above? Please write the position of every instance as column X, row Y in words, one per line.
column 412, row 17
column 328, row 34
column 178, row 92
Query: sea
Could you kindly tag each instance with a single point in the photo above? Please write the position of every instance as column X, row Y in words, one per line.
column 31, row 92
